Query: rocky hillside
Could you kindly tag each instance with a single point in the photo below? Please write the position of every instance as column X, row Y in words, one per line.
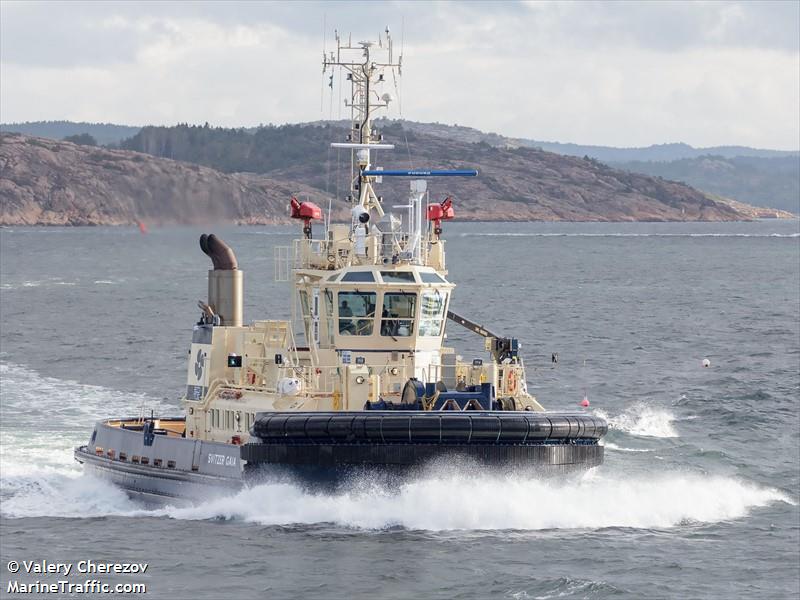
column 765, row 178
column 526, row 184
column 773, row 182
column 518, row 184
column 55, row 182
column 47, row 182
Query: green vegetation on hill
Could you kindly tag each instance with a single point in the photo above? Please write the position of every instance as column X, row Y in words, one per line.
column 83, row 139
column 105, row 133
column 235, row 150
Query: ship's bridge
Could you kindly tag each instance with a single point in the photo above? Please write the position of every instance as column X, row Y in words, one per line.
column 378, row 308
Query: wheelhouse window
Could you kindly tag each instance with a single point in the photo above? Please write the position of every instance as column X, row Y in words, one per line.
column 329, row 315
column 305, row 308
column 426, row 277
column 356, row 312
column 359, row 276
column 397, row 277
column 397, row 316
column 431, row 316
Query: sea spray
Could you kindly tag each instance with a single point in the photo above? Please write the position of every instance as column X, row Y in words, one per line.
column 51, row 492
column 434, row 502
column 486, row 502
column 642, row 420
column 39, row 479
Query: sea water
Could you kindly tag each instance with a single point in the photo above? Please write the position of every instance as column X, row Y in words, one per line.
column 698, row 495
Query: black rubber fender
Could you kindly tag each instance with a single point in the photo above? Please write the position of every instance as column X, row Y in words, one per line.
column 429, row 427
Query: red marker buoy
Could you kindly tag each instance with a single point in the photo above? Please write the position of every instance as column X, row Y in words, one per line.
column 142, row 227
column 585, row 402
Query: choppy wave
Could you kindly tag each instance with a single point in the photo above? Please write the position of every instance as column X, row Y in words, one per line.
column 643, row 420
column 26, row 393
column 626, row 235
column 286, row 232
column 567, row 587
column 36, row 283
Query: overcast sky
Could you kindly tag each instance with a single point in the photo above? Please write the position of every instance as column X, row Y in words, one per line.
column 616, row 73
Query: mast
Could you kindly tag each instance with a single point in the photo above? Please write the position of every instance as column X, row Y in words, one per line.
column 366, row 64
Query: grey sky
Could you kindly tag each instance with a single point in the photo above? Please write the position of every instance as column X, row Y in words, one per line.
column 613, row 73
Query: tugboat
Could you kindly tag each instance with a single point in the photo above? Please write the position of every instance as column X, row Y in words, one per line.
column 371, row 386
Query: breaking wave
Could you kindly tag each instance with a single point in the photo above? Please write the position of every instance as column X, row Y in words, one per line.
column 434, row 503
column 643, row 420
column 486, row 502
column 38, row 478
column 61, row 492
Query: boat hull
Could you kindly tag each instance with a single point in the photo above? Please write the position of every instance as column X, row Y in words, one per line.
column 329, row 463
column 175, row 468
column 331, row 448
column 155, row 487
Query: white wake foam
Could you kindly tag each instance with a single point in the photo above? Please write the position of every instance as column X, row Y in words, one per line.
column 31, row 402
column 434, row 503
column 38, row 478
column 37, row 283
column 491, row 503
column 52, row 492
column 44, row 418
column 612, row 446
column 643, row 420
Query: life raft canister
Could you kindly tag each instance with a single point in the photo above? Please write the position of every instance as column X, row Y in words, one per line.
column 511, row 381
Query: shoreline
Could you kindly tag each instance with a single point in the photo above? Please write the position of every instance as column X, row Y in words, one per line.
column 286, row 222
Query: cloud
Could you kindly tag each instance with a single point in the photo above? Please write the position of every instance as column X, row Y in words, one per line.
column 618, row 73
column 670, row 26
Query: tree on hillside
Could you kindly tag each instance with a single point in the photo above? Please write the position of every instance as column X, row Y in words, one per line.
column 84, row 139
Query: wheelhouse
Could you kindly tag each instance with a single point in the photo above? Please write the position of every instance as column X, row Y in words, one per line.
column 376, row 308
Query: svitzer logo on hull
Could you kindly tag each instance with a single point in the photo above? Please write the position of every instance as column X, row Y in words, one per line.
column 199, row 363
column 221, row 459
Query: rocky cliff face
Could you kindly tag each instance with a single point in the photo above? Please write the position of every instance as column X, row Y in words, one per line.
column 527, row 184
column 47, row 182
